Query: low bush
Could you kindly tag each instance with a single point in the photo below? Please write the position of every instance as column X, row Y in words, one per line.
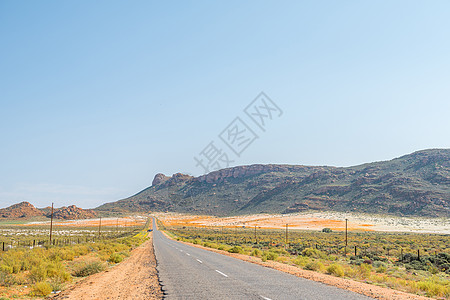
column 88, row 268
column 312, row 252
column 270, row 255
column 115, row 258
column 235, row 249
column 364, row 270
column 38, row 274
column 336, row 270
column 315, row 266
column 6, row 279
column 41, row 289
column 222, row 247
column 301, row 261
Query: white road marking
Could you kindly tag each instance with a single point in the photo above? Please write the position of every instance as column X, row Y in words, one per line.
column 199, row 261
column 221, row 273
column 265, row 298
column 188, row 254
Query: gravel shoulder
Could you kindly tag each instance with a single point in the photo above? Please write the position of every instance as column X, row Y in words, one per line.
column 135, row 278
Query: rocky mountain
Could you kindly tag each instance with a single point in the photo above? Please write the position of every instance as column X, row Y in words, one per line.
column 25, row 210
column 70, row 213
column 417, row 184
column 20, row 210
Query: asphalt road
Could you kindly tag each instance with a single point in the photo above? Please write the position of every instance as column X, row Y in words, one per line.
column 188, row 272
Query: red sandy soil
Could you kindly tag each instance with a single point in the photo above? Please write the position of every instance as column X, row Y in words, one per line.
column 135, row 278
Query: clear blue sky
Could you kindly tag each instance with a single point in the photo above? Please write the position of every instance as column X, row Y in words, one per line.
column 99, row 96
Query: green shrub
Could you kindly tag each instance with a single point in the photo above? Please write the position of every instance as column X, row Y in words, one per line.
column 115, row 258
column 6, row 279
column 312, row 252
column 38, row 273
column 336, row 270
column 80, row 250
column 235, row 249
column 381, row 269
column 58, row 272
column 327, row 230
column 41, row 289
column 301, row 261
column 88, row 268
column 56, row 285
column 6, row 269
column 364, row 270
column 433, row 288
column 256, row 252
column 270, row 255
column 315, row 266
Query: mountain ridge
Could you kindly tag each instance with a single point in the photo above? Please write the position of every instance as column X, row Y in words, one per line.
column 26, row 210
column 416, row 184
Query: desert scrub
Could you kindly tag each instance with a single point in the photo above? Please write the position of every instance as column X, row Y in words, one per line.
column 301, row 261
column 283, row 259
column 336, row 270
column 115, row 258
column 269, row 255
column 377, row 259
column 235, row 249
column 364, row 270
column 41, row 289
column 223, row 247
column 433, row 287
column 315, row 266
column 88, row 268
column 314, row 253
column 7, row 279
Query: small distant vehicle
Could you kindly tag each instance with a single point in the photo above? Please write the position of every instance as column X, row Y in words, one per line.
column 150, row 230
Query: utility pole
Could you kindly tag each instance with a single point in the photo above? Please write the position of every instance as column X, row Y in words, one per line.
column 256, row 237
column 346, row 240
column 51, row 225
column 99, row 227
column 287, row 226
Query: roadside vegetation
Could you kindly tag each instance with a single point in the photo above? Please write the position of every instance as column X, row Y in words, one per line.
column 414, row 263
column 36, row 271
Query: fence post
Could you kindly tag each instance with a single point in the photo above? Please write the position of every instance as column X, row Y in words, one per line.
column 355, row 250
column 51, row 225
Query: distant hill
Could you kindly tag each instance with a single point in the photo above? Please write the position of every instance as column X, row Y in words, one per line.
column 417, row 184
column 25, row 210
column 20, row 210
column 69, row 213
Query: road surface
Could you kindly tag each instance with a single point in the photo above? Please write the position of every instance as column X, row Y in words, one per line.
column 188, row 272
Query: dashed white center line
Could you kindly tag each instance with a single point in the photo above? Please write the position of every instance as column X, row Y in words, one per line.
column 199, row 261
column 265, row 298
column 221, row 273
column 188, row 254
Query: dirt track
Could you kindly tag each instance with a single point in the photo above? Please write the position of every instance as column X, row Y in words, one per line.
column 135, row 278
